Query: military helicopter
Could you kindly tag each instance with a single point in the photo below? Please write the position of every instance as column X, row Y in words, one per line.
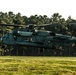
column 30, row 37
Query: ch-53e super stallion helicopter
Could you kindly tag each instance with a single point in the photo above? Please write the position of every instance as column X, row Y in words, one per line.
column 31, row 41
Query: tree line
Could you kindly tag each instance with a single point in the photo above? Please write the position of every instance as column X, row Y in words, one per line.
column 67, row 26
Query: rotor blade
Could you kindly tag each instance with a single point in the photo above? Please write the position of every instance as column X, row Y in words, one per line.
column 45, row 25
column 15, row 25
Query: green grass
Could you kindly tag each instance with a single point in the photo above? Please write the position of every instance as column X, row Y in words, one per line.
column 11, row 65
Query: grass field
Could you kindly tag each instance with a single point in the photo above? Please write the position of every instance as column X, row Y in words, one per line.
column 10, row 65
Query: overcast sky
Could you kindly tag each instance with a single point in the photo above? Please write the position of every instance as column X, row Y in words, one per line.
column 40, row 7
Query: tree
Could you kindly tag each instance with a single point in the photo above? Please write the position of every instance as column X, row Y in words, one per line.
column 56, row 18
column 18, row 19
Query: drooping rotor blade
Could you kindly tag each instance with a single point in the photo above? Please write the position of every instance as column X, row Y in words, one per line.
column 15, row 25
column 4, row 28
column 45, row 25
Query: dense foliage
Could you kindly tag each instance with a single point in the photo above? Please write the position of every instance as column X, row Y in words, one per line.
column 56, row 18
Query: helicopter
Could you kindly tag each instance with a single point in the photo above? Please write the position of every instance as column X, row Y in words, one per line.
column 32, row 37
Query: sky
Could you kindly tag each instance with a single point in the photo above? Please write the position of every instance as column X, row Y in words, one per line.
column 40, row 7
